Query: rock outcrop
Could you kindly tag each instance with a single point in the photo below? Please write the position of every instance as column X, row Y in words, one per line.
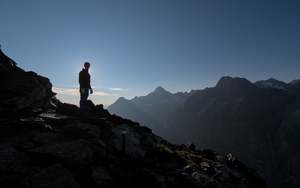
column 21, row 91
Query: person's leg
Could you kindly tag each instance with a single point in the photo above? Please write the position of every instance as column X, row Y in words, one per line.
column 83, row 97
column 86, row 93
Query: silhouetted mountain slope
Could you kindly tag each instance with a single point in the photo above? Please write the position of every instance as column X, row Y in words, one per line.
column 260, row 126
column 151, row 110
column 127, row 109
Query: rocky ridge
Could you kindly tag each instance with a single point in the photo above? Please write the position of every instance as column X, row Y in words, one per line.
column 46, row 143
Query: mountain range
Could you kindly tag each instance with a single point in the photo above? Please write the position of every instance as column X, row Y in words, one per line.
column 258, row 122
column 151, row 110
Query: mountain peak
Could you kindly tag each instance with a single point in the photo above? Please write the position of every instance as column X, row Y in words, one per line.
column 276, row 81
column 229, row 82
column 159, row 89
column 121, row 99
column 272, row 79
column 295, row 81
column 271, row 83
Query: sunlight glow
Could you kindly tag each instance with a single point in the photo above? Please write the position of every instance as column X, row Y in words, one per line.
column 74, row 91
column 118, row 89
column 100, row 93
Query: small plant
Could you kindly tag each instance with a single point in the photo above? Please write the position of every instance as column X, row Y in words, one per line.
column 190, row 156
column 162, row 152
column 190, row 162
column 163, row 149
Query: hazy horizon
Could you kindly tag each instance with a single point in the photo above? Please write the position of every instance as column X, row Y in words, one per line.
column 193, row 89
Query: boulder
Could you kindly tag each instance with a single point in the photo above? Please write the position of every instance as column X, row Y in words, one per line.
column 68, row 109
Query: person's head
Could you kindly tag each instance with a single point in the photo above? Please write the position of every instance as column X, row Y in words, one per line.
column 87, row 65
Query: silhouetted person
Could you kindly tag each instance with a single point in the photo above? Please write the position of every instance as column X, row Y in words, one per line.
column 85, row 83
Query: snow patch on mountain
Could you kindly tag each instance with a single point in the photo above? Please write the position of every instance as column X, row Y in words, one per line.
column 266, row 85
column 279, row 87
column 295, row 81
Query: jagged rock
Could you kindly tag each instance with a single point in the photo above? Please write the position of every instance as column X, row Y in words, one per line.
column 191, row 147
column 87, row 110
column 54, row 102
column 88, row 103
column 19, row 89
column 208, row 154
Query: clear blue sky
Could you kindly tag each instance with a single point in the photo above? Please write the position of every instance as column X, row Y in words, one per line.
column 135, row 46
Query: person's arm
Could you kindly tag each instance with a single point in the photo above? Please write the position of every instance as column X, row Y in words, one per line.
column 80, row 80
column 91, row 90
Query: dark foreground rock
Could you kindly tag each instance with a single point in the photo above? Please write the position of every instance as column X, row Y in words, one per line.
column 21, row 91
column 97, row 149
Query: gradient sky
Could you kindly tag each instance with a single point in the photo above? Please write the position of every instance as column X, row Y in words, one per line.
column 136, row 46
